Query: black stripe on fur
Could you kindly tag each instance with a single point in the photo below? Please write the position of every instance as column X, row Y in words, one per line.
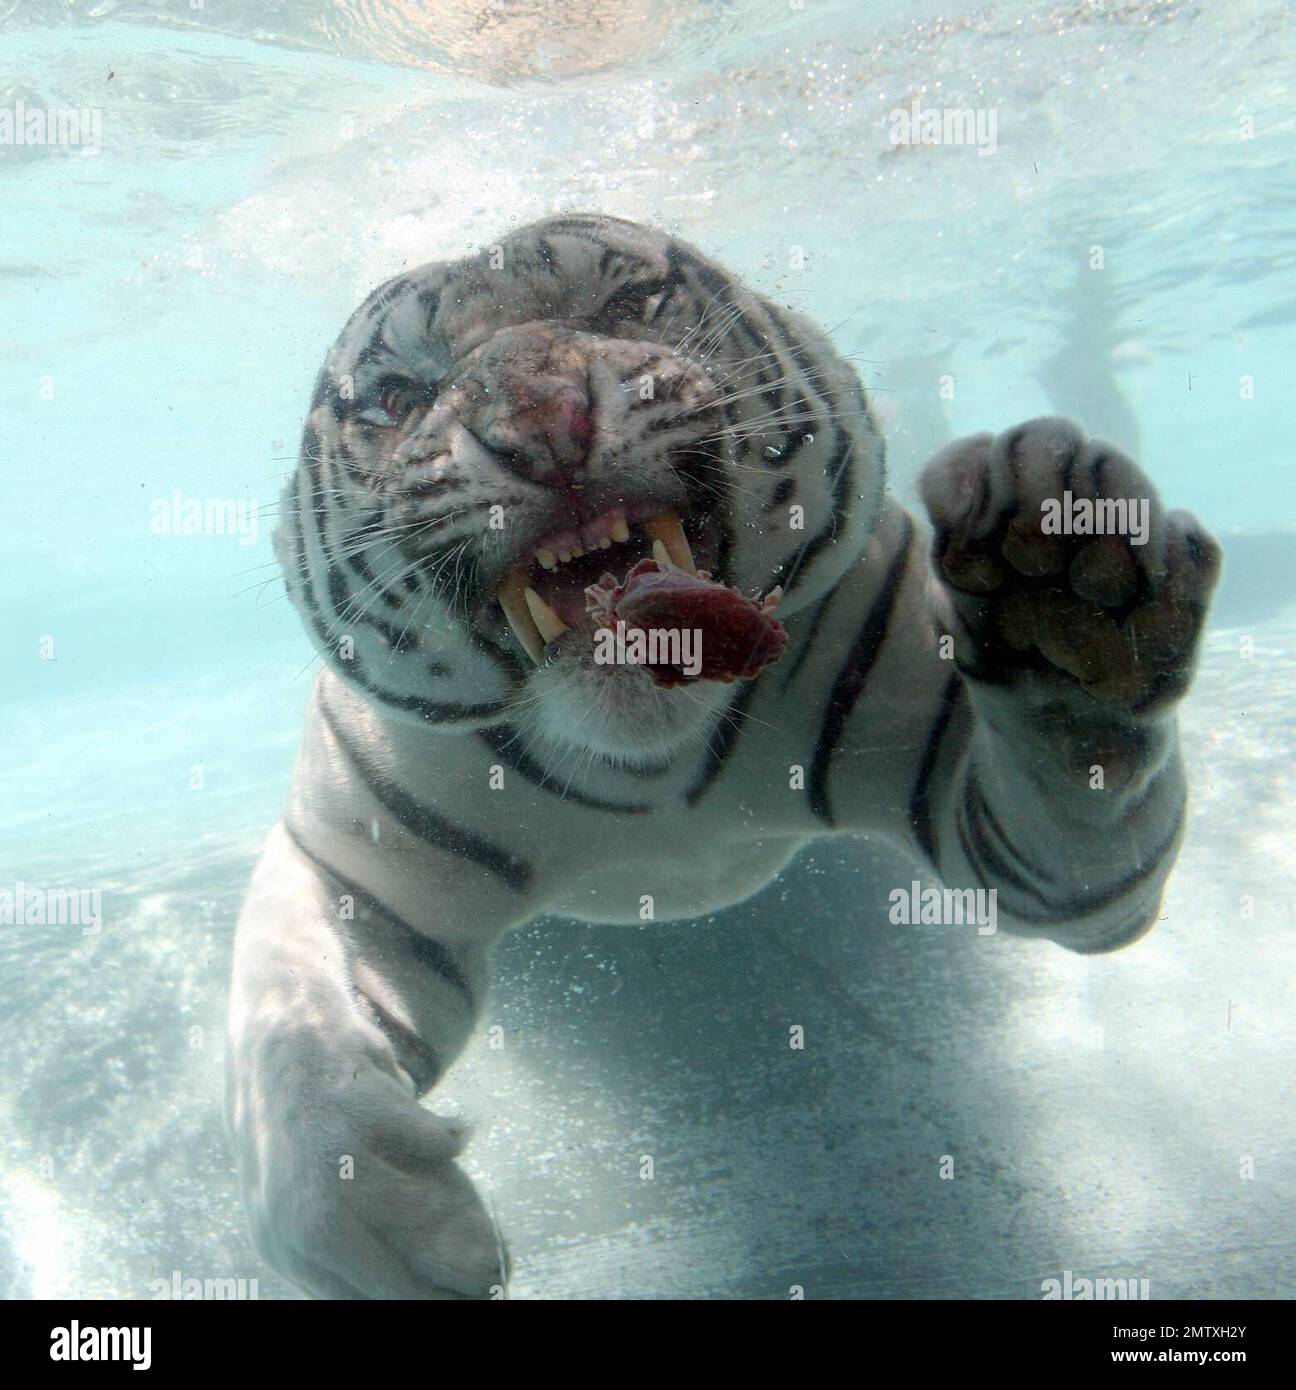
column 854, row 673
column 425, row 823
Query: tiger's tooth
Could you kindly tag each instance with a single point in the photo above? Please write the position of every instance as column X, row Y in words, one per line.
column 605, row 543
column 548, row 623
column 564, row 556
column 577, row 552
column 511, row 596
column 667, row 530
column 662, row 555
column 620, row 530
column 548, row 560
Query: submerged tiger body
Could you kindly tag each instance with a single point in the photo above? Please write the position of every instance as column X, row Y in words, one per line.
column 487, row 437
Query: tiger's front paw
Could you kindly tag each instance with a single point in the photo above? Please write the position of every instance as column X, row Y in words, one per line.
column 352, row 1188
column 1060, row 572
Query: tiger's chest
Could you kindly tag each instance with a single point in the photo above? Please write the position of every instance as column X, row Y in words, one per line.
column 668, row 871
column 429, row 822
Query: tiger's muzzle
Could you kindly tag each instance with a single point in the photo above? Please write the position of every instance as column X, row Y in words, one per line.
column 556, row 406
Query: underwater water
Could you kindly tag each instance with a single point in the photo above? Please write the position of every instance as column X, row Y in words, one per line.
column 1119, row 248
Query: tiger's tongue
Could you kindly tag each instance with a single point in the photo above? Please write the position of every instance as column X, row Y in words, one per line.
column 564, row 589
column 541, row 606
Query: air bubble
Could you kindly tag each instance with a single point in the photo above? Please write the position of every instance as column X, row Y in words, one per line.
column 771, row 452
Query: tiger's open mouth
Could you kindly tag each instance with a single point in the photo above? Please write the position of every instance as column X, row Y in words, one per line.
column 544, row 596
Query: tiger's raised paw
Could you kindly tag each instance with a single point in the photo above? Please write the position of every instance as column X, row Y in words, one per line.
column 1059, row 572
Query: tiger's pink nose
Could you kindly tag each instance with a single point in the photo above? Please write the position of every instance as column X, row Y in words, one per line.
column 551, row 427
column 532, row 395
column 564, row 419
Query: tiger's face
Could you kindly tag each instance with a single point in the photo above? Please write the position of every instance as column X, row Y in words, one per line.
column 491, row 436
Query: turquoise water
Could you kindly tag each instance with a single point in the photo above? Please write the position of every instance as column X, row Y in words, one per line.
column 167, row 299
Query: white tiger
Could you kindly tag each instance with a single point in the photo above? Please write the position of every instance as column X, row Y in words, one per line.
column 480, row 448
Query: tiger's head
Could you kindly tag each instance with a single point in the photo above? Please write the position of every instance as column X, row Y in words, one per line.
column 490, row 436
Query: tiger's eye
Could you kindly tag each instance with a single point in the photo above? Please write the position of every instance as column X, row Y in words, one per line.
column 398, row 401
